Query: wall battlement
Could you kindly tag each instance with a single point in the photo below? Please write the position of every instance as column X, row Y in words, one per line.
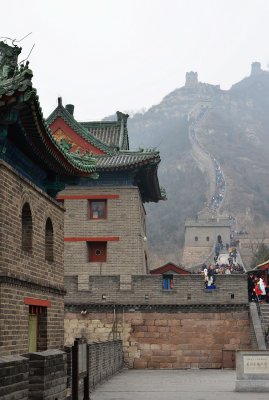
column 144, row 289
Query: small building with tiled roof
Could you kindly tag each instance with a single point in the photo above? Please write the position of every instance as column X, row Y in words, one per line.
column 105, row 226
column 169, row 268
column 168, row 271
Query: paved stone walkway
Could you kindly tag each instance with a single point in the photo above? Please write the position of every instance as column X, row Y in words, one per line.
column 173, row 385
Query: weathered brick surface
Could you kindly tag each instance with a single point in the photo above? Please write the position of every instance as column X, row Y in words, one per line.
column 188, row 289
column 47, row 375
column 125, row 219
column 15, row 191
column 28, row 274
column 195, row 251
column 14, row 378
column 183, row 339
column 105, row 359
column 14, row 319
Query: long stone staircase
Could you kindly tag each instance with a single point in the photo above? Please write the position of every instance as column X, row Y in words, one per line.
column 264, row 317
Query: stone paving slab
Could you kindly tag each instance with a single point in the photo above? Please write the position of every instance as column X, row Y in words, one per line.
column 173, row 385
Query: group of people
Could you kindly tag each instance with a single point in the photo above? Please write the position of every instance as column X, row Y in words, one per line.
column 219, row 191
column 210, row 272
column 220, row 186
column 256, row 288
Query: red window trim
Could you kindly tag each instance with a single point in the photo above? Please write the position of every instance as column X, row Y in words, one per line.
column 93, row 257
column 92, row 239
column 37, row 302
column 88, row 197
column 105, row 213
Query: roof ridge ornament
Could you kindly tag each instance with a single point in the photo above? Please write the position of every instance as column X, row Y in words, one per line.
column 122, row 117
column 8, row 60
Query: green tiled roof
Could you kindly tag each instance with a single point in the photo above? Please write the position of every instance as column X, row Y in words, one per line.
column 108, row 133
column 123, row 160
column 19, row 104
column 109, row 136
column 113, row 133
column 112, row 138
column 61, row 112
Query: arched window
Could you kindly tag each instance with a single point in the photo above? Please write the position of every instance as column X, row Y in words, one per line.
column 207, row 238
column 49, row 240
column 27, row 228
column 196, row 238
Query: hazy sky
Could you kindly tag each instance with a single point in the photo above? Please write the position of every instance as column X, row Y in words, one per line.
column 109, row 55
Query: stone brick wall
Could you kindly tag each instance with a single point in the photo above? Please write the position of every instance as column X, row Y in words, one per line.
column 195, row 251
column 105, row 359
column 202, row 232
column 186, row 338
column 125, row 220
column 147, row 289
column 35, row 376
column 14, row 378
column 14, row 315
column 195, row 255
column 48, row 375
column 186, row 327
column 27, row 273
column 15, row 192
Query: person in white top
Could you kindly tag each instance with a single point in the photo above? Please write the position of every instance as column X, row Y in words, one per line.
column 262, row 288
column 205, row 271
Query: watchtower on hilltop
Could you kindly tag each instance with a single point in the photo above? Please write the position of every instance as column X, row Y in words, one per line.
column 191, row 79
column 256, row 68
column 201, row 235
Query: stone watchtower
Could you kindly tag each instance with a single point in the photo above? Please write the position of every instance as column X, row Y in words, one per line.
column 256, row 68
column 201, row 236
column 191, row 80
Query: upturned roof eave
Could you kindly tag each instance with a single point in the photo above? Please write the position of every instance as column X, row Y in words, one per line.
column 77, row 127
column 22, row 96
column 66, row 164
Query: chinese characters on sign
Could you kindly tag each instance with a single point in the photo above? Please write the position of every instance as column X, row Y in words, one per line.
column 256, row 364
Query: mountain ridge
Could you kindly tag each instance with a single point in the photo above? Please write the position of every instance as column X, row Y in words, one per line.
column 235, row 131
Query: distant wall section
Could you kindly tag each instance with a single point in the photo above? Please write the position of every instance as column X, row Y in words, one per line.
column 201, row 235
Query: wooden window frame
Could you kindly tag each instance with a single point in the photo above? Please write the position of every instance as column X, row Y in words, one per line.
column 168, row 282
column 92, row 246
column 91, row 201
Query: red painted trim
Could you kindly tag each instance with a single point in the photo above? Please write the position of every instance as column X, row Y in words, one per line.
column 88, row 197
column 101, row 247
column 37, row 302
column 92, row 239
column 105, row 209
column 59, row 123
